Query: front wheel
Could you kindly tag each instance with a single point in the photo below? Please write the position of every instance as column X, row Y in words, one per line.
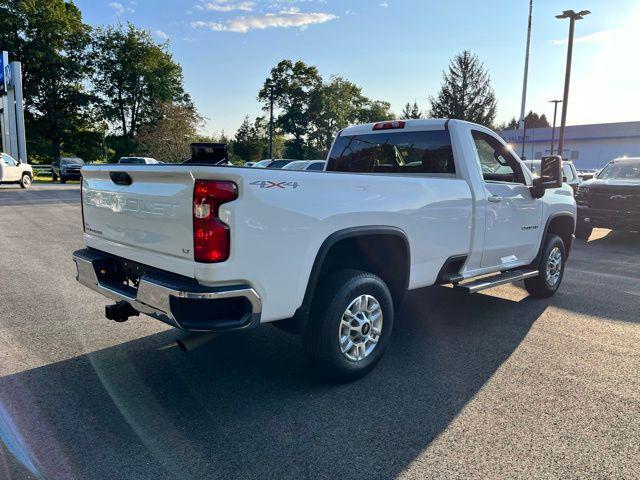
column 350, row 324
column 25, row 182
column 551, row 269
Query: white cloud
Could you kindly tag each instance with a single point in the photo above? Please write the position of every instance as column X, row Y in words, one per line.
column 227, row 6
column 117, row 6
column 285, row 19
column 161, row 35
column 384, row 4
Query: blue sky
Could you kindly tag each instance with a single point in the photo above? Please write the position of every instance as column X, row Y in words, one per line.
column 394, row 49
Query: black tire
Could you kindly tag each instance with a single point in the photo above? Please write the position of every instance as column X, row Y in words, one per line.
column 25, row 181
column 583, row 232
column 321, row 337
column 539, row 286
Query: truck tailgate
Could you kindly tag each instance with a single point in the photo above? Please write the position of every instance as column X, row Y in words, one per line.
column 140, row 208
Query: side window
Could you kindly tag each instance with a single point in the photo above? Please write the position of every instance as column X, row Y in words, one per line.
column 8, row 161
column 567, row 172
column 316, row 166
column 496, row 162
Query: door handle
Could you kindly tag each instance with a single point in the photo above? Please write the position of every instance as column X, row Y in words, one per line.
column 494, row 199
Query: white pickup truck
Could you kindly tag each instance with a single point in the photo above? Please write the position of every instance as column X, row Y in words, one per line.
column 400, row 206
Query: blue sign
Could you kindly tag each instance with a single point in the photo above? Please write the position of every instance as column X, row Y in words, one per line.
column 3, row 80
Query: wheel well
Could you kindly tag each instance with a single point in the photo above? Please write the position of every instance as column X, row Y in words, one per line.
column 563, row 226
column 385, row 255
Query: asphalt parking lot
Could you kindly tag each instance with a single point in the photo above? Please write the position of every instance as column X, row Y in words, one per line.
column 494, row 385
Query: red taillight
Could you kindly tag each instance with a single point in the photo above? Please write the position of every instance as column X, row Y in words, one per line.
column 211, row 237
column 389, row 125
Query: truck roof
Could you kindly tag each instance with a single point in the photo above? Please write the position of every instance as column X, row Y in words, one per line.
column 409, row 125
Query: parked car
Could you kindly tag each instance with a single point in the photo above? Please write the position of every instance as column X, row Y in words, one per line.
column 402, row 205
column 12, row 171
column 611, row 199
column 139, row 161
column 249, row 164
column 262, row 163
column 305, row 165
column 275, row 163
column 66, row 168
column 569, row 172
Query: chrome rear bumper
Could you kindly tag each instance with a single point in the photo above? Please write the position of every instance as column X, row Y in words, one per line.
column 183, row 304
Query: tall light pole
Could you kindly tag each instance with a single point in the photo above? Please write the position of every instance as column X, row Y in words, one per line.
column 572, row 16
column 524, row 82
column 270, row 87
column 553, row 129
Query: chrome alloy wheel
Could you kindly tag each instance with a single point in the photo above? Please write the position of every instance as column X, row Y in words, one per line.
column 26, row 181
column 554, row 267
column 360, row 328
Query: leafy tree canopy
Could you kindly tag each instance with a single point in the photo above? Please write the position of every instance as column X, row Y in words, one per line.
column 134, row 77
column 52, row 42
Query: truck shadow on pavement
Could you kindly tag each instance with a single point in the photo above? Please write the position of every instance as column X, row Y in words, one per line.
column 249, row 406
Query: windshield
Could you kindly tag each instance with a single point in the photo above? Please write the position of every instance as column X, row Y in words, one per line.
column 299, row 165
column 279, row 163
column 72, row 161
column 262, row 164
column 622, row 170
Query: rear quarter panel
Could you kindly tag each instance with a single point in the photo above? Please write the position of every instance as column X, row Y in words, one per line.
column 282, row 217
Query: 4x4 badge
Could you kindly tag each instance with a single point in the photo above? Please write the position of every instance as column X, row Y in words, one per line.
column 276, row 185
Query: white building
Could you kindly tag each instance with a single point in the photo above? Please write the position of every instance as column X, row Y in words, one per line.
column 589, row 146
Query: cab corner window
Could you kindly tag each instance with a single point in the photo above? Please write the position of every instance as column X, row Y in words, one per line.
column 496, row 161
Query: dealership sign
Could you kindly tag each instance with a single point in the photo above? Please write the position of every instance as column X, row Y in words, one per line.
column 4, row 57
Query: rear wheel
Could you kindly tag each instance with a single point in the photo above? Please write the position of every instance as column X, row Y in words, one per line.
column 551, row 269
column 350, row 325
column 25, row 181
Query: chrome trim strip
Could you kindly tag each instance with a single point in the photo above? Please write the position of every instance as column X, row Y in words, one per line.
column 152, row 297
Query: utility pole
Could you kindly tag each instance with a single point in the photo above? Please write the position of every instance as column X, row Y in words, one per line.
column 553, row 130
column 524, row 82
column 572, row 16
column 270, row 87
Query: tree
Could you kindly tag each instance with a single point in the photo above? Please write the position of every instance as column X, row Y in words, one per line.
column 250, row 141
column 337, row 105
column 376, row 111
column 532, row 120
column 168, row 138
column 293, row 85
column 466, row 92
column 51, row 41
column 135, row 77
column 411, row 111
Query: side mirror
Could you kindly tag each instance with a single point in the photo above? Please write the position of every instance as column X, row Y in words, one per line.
column 550, row 176
column 551, row 171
